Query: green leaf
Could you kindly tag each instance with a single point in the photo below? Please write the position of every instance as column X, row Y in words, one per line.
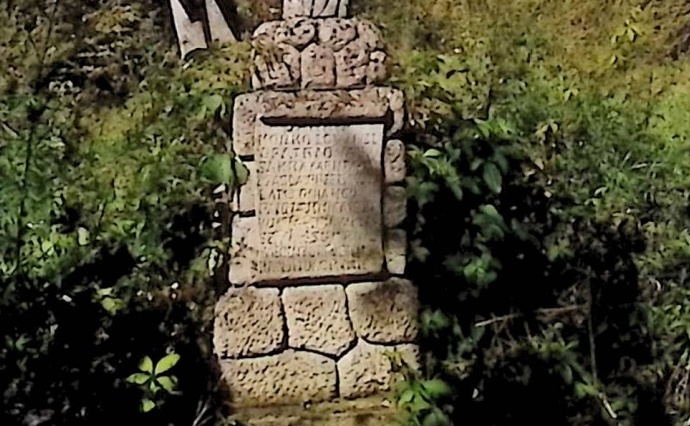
column 436, row 418
column 492, row 177
column 146, row 365
column 213, row 102
column 433, row 153
column 166, row 363
column 242, row 172
column 436, row 388
column 406, row 397
column 218, row 169
column 138, row 378
column 147, row 405
column 82, row 236
column 167, row 383
column 501, row 161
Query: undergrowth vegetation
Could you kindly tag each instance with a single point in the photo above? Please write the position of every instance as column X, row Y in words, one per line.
column 548, row 177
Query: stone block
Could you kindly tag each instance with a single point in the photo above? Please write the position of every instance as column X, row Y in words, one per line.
column 337, row 33
column 369, row 34
column 248, row 322
column 243, row 250
column 245, row 112
column 394, row 161
column 366, row 370
column 318, row 67
column 376, row 69
column 395, row 248
column 394, row 206
column 351, row 64
column 384, row 312
column 317, row 319
column 277, row 66
column 248, row 192
column 291, row 377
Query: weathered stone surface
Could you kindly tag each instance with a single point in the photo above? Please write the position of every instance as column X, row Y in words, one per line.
column 289, row 377
column 373, row 411
column 337, row 33
column 384, row 312
column 248, row 192
column 317, row 319
column 298, row 33
column 190, row 35
column 246, row 110
column 395, row 248
column 394, row 206
column 318, row 67
column 351, row 64
column 243, row 250
column 369, row 34
column 394, row 161
column 218, row 26
column 314, row 8
column 396, row 103
column 248, row 321
column 376, row 69
column 319, row 201
column 277, row 66
column 366, row 370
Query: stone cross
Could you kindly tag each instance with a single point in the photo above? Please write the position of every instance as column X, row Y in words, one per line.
column 317, row 292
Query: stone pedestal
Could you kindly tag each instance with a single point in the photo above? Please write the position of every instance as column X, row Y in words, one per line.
column 318, row 296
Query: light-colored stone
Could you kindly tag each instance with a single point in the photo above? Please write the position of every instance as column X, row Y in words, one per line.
column 384, row 312
column 395, row 248
column 394, row 206
column 351, row 63
column 297, row 32
column 343, row 8
column 394, row 161
column 190, row 35
column 294, row 8
column 314, row 8
column 246, row 110
column 325, row 8
column 396, row 103
column 243, row 250
column 318, row 67
column 317, row 319
column 218, row 26
column 376, row 69
column 248, row 192
column 366, row 369
column 319, row 201
column 369, row 34
column 288, row 378
column 248, row 321
column 337, row 33
column 277, row 66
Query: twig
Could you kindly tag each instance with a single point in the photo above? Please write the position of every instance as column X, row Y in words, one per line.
column 542, row 311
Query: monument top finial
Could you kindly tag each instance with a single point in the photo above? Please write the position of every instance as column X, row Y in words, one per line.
column 315, row 8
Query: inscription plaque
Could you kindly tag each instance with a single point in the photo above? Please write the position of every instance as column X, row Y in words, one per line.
column 319, row 200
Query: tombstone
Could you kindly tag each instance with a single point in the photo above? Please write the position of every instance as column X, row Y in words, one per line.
column 317, row 295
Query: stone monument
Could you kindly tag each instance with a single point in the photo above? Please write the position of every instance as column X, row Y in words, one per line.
column 317, row 294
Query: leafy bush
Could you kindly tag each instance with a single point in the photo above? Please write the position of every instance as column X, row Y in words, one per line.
column 559, row 298
column 108, row 160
